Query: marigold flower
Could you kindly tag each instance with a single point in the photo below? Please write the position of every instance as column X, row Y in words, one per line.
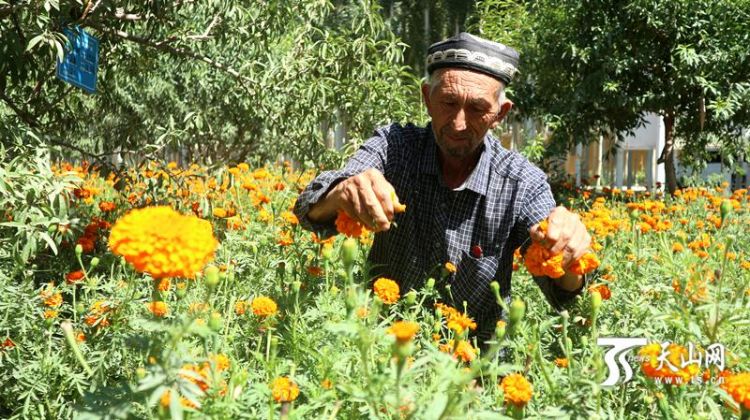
column 164, row 284
column 158, row 308
column 541, row 262
column 397, row 206
column 264, row 306
column 455, row 320
column 586, row 264
column 348, row 226
column 404, row 331
column 738, row 386
column 50, row 298
column 517, row 390
column 87, row 243
column 98, row 314
column 326, row 384
column 603, row 290
column 240, row 307
column 561, row 362
column 74, row 276
column 285, row 239
column 289, row 218
column 163, row 243
column 220, row 361
column 7, row 344
column 107, row 206
column 219, row 212
column 450, row 267
column 465, row 351
column 50, row 313
column 387, row 290
column 284, row 390
column 665, row 362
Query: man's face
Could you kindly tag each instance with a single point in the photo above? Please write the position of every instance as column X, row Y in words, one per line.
column 463, row 105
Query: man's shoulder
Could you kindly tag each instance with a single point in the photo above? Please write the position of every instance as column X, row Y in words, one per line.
column 513, row 165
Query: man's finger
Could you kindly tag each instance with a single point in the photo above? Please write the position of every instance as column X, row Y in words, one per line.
column 383, row 193
column 536, row 234
column 373, row 210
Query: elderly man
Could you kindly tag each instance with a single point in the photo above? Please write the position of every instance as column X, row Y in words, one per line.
column 470, row 202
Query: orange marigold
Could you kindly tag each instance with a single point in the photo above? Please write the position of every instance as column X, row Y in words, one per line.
column 387, row 290
column 264, row 306
column 158, row 308
column 163, row 243
column 664, row 361
column 738, row 386
column 586, row 264
column 404, row 331
column 603, row 290
column 561, row 362
column 541, row 262
column 284, row 390
column 106, row 206
column 74, row 276
column 348, row 226
column 517, row 390
column 240, row 307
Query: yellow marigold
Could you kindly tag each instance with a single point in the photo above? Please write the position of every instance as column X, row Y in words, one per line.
column 561, row 362
column 387, row 290
column 465, row 351
column 326, row 383
column 284, row 390
column 738, row 386
column 158, row 308
column 450, row 267
column 98, row 314
column 167, row 396
column 164, row 284
column 285, row 239
column 51, row 299
column 221, row 361
column 456, row 320
column 50, row 313
column 240, row 307
column 404, row 331
column 264, row 306
column 289, row 217
column 517, row 390
column 163, row 243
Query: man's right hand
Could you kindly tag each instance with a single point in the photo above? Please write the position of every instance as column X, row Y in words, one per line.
column 366, row 198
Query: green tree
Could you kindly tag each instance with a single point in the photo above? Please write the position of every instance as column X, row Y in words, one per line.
column 219, row 79
column 594, row 66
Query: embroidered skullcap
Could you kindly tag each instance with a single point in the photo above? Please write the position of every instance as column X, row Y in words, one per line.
column 474, row 53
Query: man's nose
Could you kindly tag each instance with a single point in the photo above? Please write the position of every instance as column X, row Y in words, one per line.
column 459, row 121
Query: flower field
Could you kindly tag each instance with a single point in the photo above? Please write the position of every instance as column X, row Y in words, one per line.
column 192, row 292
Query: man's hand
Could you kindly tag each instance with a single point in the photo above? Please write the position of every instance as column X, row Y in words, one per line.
column 567, row 234
column 366, row 198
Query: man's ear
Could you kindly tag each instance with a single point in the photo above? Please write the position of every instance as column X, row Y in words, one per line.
column 426, row 97
column 505, row 107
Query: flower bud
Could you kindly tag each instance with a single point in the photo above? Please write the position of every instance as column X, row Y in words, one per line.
column 349, row 251
column 296, row 285
column 79, row 249
column 635, row 215
column 80, row 308
column 495, row 286
column 94, row 262
column 596, row 301
column 215, row 322
column 411, row 297
column 725, row 209
column 140, row 373
column 500, row 329
column 517, row 310
column 327, row 253
column 430, row 284
column 211, row 274
column 335, row 290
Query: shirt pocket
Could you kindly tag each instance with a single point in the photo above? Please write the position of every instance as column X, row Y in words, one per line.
column 474, row 274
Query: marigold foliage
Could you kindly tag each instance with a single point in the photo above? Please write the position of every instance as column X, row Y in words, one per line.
column 163, row 243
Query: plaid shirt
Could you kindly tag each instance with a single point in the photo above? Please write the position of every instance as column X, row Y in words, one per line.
column 476, row 227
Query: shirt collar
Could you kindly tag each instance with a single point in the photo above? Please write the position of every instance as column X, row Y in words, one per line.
column 478, row 180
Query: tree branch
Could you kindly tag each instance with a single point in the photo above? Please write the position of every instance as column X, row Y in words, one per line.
column 174, row 50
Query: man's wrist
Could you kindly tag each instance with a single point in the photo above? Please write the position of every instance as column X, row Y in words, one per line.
column 570, row 282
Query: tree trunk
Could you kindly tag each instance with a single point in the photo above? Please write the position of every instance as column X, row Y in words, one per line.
column 667, row 154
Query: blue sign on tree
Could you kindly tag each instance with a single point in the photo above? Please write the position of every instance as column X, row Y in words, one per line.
column 81, row 60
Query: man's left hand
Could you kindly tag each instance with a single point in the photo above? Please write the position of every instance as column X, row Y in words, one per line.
column 565, row 233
